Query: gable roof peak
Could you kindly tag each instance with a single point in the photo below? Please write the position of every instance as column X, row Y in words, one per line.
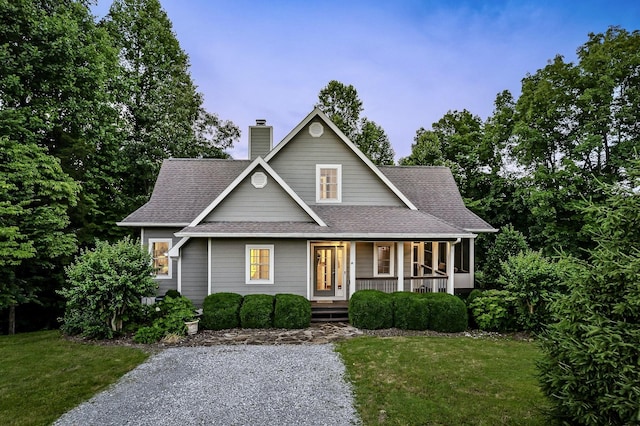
column 342, row 137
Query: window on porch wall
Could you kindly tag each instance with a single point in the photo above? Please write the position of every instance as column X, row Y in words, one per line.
column 383, row 259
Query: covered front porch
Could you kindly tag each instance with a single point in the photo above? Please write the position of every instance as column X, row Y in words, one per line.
column 337, row 269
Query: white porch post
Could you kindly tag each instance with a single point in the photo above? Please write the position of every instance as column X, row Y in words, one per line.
column 400, row 264
column 352, row 268
column 179, row 271
column 472, row 261
column 209, row 266
column 450, row 269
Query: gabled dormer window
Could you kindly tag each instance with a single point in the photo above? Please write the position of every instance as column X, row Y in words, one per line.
column 328, row 183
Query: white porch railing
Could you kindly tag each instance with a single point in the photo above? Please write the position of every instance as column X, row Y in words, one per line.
column 428, row 284
column 387, row 285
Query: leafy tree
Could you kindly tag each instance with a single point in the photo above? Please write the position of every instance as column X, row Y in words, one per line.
column 343, row 106
column 35, row 196
column 105, row 287
column 590, row 367
column 161, row 111
column 425, row 151
column 373, row 141
column 54, row 68
column 576, row 125
column 534, row 282
column 508, row 242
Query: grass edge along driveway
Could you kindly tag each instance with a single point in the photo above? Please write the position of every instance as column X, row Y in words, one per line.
column 42, row 375
column 444, row 381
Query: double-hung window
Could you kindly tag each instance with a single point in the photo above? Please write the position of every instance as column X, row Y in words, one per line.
column 383, row 261
column 259, row 264
column 159, row 249
column 328, row 183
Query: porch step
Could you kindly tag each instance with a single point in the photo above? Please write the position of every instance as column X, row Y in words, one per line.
column 329, row 312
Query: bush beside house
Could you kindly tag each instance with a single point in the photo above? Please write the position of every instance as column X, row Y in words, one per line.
column 371, row 309
column 257, row 311
column 291, row 311
column 410, row 312
column 169, row 318
column 221, row 311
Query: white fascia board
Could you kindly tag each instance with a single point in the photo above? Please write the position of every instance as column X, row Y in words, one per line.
column 345, row 139
column 324, row 236
column 481, row 230
column 175, row 250
column 257, row 162
column 153, row 224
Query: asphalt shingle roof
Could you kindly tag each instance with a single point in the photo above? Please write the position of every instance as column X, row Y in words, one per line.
column 432, row 189
column 185, row 187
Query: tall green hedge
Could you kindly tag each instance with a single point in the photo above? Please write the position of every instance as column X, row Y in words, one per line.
column 257, row 311
column 371, row 309
column 291, row 311
column 221, row 311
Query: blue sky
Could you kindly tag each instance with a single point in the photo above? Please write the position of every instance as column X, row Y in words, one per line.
column 410, row 61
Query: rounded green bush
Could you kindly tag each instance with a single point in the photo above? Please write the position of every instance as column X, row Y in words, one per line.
column 221, row 311
column 371, row 309
column 291, row 311
column 447, row 313
column 257, row 311
column 410, row 311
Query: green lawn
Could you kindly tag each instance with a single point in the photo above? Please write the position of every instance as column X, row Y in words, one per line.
column 42, row 375
column 444, row 381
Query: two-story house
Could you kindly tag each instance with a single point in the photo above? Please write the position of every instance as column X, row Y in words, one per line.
column 311, row 216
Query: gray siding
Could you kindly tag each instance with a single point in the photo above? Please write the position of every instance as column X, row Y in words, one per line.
column 290, row 263
column 268, row 204
column 296, row 163
column 364, row 260
column 194, row 270
column 259, row 141
column 164, row 284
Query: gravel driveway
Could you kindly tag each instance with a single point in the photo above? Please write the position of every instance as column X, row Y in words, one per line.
column 227, row 385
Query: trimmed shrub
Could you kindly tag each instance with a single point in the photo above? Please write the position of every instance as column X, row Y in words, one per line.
column 371, row 309
column 494, row 310
column 291, row 311
column 221, row 311
column 447, row 313
column 410, row 311
column 257, row 311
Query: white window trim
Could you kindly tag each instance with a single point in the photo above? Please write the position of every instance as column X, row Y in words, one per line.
column 247, row 256
column 392, row 259
column 162, row 240
column 337, row 167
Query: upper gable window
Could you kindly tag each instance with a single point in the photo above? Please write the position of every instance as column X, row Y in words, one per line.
column 328, row 183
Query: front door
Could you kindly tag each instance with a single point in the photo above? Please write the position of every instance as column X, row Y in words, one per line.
column 325, row 271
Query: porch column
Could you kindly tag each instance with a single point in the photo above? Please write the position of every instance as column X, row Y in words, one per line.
column 352, row 268
column 472, row 261
column 450, row 267
column 209, row 266
column 400, row 264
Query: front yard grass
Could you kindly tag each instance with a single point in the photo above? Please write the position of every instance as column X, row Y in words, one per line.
column 42, row 375
column 444, row 381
